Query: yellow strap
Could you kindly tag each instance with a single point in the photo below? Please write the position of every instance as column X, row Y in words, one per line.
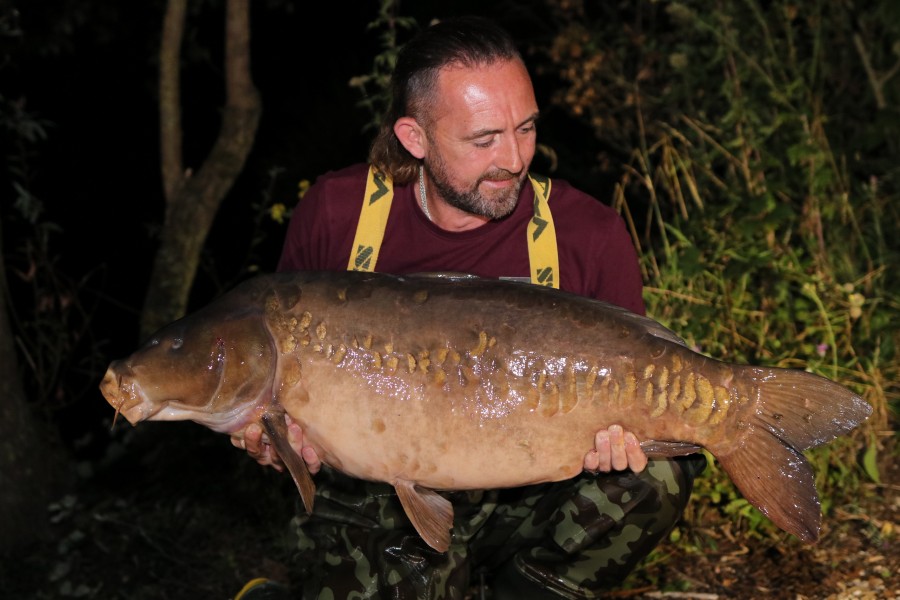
column 249, row 586
column 543, row 256
column 372, row 222
column 542, row 253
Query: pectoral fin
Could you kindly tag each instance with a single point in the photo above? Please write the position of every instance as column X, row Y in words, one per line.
column 431, row 514
column 277, row 431
column 663, row 449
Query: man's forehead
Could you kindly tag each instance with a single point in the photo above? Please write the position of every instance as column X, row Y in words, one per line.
column 485, row 96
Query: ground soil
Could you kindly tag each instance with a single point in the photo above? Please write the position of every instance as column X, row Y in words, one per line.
column 171, row 511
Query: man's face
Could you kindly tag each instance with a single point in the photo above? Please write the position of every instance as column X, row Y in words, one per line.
column 482, row 137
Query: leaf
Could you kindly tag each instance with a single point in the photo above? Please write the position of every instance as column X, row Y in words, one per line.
column 870, row 464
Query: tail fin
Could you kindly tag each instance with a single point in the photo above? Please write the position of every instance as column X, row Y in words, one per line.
column 804, row 409
column 798, row 410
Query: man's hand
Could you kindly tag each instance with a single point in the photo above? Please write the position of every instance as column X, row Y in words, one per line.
column 260, row 448
column 615, row 450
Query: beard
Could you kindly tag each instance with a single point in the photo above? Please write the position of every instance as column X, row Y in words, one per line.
column 472, row 200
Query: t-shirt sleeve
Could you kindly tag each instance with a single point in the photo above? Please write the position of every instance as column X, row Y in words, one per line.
column 296, row 254
column 597, row 256
column 320, row 232
column 623, row 283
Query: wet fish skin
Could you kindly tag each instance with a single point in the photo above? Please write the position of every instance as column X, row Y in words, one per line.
column 451, row 383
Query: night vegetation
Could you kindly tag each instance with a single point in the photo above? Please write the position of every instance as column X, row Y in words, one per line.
column 752, row 146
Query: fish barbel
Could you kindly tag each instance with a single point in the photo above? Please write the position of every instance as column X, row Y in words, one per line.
column 446, row 383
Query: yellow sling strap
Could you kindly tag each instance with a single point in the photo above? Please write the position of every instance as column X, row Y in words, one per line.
column 542, row 253
column 372, row 221
column 543, row 256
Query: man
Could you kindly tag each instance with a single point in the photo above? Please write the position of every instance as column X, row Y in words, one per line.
column 448, row 189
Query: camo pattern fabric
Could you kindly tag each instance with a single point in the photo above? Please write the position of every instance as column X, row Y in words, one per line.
column 569, row 539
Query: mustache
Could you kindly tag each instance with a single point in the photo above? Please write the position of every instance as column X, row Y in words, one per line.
column 500, row 175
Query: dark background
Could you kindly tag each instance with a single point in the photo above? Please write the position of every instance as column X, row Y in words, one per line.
column 88, row 71
column 170, row 509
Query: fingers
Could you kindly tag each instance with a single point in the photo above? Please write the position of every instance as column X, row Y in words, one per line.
column 257, row 447
column 637, row 460
column 297, row 441
column 618, row 459
column 252, row 439
column 311, row 459
column 592, row 460
column 600, row 455
column 615, row 450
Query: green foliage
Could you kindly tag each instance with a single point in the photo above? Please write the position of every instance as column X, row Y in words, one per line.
column 50, row 318
column 756, row 150
column 374, row 87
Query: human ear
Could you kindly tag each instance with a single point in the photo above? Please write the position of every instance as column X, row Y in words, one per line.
column 411, row 135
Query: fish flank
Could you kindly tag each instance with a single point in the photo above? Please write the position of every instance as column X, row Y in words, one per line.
column 688, row 394
column 481, row 346
column 648, row 394
column 629, row 392
column 674, row 390
column 661, row 404
column 569, row 398
column 755, row 421
column 723, row 405
column 702, row 407
column 441, row 356
column 292, row 373
column 551, row 399
column 339, row 355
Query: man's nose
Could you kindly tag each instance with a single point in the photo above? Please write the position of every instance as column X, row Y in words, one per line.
column 509, row 155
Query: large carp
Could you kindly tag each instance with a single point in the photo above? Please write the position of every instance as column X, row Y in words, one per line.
column 453, row 383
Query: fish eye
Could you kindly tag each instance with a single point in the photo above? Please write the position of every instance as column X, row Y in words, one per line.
column 177, row 343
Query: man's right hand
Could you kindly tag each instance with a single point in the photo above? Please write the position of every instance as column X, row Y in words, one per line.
column 260, row 448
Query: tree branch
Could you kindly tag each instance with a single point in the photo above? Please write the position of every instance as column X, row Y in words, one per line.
column 170, row 133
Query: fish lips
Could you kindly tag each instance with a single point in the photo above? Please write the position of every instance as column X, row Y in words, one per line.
column 124, row 395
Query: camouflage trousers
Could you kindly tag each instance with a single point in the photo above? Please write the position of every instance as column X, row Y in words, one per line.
column 569, row 539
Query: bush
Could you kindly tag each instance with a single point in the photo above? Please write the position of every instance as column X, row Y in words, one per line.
column 754, row 147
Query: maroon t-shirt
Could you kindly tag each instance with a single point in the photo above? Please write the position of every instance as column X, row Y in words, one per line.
column 596, row 256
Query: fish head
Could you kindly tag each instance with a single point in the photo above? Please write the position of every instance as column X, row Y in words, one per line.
column 214, row 367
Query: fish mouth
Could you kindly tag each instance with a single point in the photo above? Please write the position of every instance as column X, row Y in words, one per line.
column 119, row 389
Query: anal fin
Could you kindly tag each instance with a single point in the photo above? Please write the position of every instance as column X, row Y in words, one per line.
column 431, row 514
column 666, row 449
column 277, row 430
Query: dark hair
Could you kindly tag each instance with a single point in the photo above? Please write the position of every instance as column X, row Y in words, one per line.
column 464, row 41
